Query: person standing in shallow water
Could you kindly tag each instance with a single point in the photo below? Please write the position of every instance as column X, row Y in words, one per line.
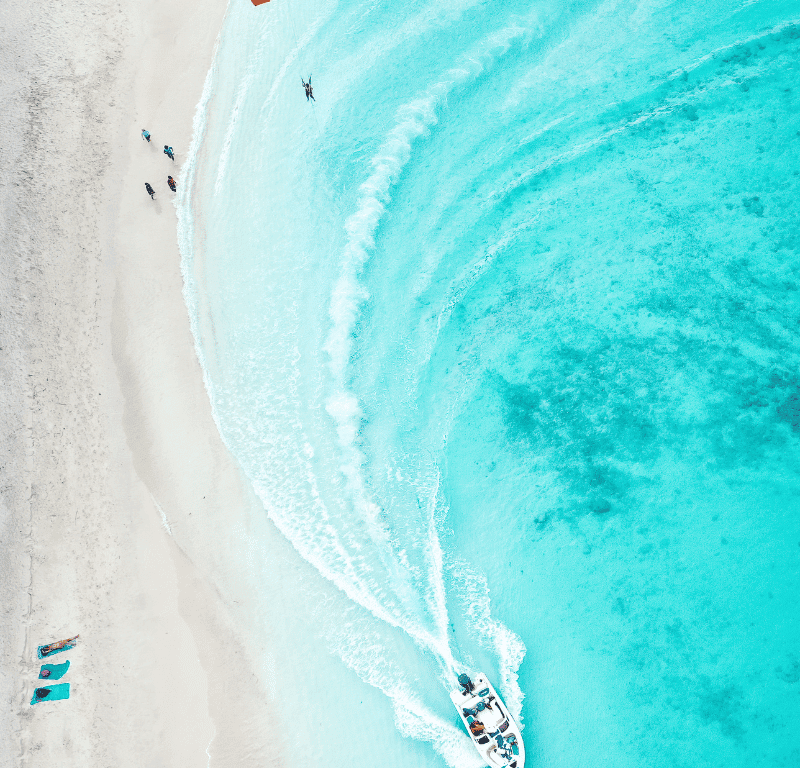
column 150, row 190
column 146, row 135
column 171, row 183
column 169, row 153
column 309, row 90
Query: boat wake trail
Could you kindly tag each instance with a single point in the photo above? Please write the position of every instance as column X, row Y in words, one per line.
column 368, row 517
column 417, row 577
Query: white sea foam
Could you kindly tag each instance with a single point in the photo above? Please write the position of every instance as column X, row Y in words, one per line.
column 359, row 555
column 413, row 120
column 183, row 206
column 374, row 660
column 492, row 634
column 324, row 547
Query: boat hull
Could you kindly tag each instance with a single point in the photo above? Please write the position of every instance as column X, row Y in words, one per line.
column 493, row 730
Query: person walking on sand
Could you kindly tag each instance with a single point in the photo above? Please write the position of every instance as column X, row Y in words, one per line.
column 309, row 90
column 150, row 190
column 171, row 183
column 169, row 153
column 146, row 135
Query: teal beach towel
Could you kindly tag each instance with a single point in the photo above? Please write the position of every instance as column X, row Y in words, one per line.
column 51, row 693
column 43, row 651
column 56, row 671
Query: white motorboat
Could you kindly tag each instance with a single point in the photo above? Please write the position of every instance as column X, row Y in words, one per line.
column 493, row 731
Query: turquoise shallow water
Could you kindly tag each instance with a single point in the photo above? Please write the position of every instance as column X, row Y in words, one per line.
column 504, row 331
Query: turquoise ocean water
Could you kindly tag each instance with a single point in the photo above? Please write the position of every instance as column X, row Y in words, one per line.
column 504, row 330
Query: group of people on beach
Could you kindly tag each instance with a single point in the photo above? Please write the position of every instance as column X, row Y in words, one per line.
column 168, row 151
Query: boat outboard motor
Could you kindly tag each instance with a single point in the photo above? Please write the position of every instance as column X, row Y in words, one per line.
column 466, row 683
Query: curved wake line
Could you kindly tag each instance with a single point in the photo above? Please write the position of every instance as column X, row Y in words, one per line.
column 670, row 106
column 413, row 120
column 724, row 48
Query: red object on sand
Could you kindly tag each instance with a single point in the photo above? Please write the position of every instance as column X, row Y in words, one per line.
column 260, row 2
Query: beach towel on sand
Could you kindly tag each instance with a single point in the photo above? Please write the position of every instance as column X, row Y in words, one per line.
column 54, row 671
column 51, row 693
column 62, row 645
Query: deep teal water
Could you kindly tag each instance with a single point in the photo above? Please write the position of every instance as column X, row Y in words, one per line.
column 504, row 331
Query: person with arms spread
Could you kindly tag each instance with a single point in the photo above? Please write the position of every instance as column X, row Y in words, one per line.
column 308, row 89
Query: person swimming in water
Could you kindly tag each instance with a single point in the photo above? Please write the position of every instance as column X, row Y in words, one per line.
column 309, row 90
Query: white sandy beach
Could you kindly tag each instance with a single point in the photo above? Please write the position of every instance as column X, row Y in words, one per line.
column 105, row 421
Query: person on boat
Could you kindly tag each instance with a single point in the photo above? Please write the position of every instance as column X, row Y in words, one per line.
column 308, row 89
column 169, row 153
column 146, row 135
column 150, row 190
column 476, row 727
column 171, row 183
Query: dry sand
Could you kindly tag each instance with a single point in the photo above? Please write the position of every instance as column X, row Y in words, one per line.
column 108, row 446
